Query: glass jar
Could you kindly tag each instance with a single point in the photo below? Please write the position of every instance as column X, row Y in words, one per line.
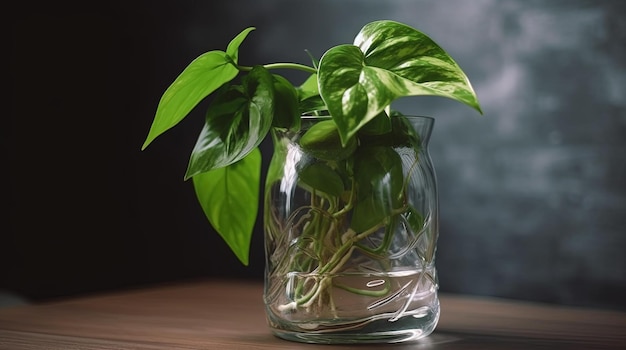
column 351, row 233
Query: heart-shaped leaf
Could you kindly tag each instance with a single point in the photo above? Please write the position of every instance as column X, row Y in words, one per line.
column 388, row 60
column 237, row 121
column 229, row 197
column 199, row 79
column 202, row 76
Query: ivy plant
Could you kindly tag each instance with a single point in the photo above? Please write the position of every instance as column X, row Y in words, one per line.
column 354, row 84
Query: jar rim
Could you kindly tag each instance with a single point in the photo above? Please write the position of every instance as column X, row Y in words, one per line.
column 409, row 116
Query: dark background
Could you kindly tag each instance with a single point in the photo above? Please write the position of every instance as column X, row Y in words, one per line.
column 532, row 194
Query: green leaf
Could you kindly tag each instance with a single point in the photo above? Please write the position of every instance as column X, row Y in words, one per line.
column 233, row 47
column 229, row 197
column 202, row 76
column 237, row 121
column 309, row 95
column 309, row 88
column 416, row 57
column 347, row 100
column 322, row 140
column 319, row 176
column 313, row 105
column 286, row 107
column 276, row 168
column 366, row 214
column 401, row 134
column 388, row 60
column 381, row 124
column 380, row 181
column 379, row 170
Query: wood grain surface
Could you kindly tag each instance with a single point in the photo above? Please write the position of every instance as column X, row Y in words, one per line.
column 230, row 315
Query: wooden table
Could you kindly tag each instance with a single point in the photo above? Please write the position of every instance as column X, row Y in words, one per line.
column 229, row 315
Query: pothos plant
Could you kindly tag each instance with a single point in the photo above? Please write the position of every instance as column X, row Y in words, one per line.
column 354, row 84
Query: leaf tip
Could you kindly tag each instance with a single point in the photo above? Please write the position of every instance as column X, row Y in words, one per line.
column 145, row 144
column 478, row 108
column 244, row 259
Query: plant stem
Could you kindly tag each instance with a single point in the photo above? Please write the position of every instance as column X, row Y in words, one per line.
column 295, row 66
column 336, row 261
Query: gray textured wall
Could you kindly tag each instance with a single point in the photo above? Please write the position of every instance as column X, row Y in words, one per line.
column 532, row 194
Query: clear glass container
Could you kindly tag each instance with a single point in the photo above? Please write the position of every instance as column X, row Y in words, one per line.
column 351, row 234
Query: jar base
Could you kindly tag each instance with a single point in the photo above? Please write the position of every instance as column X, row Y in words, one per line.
column 406, row 329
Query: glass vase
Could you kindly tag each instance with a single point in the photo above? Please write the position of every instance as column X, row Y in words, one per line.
column 351, row 233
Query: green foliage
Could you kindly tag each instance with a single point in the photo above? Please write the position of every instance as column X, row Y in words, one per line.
column 203, row 76
column 354, row 84
column 323, row 141
column 379, row 181
column 388, row 60
column 236, row 123
column 229, row 198
column 286, row 108
column 322, row 178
